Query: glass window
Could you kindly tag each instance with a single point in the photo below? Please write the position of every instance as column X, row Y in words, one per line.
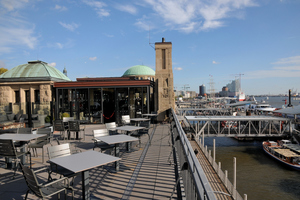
column 37, row 96
column 17, row 96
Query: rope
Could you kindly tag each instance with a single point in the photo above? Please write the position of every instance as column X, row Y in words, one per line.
column 110, row 116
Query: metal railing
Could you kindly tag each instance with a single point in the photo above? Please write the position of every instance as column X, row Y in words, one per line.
column 196, row 185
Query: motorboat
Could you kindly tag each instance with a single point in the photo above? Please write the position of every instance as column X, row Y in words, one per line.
column 284, row 151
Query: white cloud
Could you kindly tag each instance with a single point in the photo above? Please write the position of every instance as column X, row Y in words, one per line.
column 144, row 23
column 60, row 8
column 178, row 68
column 289, row 60
column 98, row 6
column 214, row 62
column 53, row 64
column 127, row 8
column 16, row 32
column 196, row 15
column 11, row 5
column 284, row 67
column 59, row 45
column 93, row 58
column 70, row 27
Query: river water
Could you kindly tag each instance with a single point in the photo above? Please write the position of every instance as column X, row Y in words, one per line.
column 258, row 175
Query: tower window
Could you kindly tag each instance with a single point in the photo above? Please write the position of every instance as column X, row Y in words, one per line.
column 163, row 59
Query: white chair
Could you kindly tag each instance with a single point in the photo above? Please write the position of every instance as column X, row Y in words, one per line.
column 111, row 127
column 125, row 119
column 98, row 143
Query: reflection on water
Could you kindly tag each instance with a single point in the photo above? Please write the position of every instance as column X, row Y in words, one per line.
column 258, row 175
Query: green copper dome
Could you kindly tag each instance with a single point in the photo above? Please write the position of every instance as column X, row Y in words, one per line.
column 34, row 71
column 139, row 70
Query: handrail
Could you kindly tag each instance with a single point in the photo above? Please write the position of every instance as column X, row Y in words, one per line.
column 198, row 180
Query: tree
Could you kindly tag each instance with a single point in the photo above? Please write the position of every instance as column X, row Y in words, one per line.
column 2, row 70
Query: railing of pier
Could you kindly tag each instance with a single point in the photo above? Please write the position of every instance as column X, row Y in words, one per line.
column 223, row 175
column 196, row 185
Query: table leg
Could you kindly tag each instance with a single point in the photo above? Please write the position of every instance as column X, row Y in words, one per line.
column 85, row 185
column 117, row 154
column 128, row 146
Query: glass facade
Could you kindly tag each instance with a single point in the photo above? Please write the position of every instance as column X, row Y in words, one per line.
column 103, row 104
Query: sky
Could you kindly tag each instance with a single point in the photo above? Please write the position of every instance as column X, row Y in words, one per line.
column 213, row 41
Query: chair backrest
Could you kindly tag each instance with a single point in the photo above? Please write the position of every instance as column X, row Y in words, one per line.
column 67, row 119
column 74, row 125
column 100, row 132
column 59, row 150
column 110, row 125
column 31, row 181
column 43, row 131
column 125, row 119
column 59, row 125
column 7, row 148
column 145, row 124
column 24, row 130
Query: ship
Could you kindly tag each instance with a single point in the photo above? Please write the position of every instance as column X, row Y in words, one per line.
column 284, row 151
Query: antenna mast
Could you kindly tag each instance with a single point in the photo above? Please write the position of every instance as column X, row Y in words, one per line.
column 149, row 40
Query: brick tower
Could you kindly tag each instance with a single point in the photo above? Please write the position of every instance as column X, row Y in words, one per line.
column 164, row 79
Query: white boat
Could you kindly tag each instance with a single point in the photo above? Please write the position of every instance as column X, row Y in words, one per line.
column 241, row 96
column 284, row 151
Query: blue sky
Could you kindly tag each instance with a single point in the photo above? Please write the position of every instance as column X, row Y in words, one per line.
column 217, row 39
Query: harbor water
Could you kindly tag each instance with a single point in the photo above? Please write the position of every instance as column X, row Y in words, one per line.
column 258, row 175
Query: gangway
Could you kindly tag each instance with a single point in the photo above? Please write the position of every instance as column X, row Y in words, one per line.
column 239, row 126
column 204, row 111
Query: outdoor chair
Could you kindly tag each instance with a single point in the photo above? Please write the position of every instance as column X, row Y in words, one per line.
column 47, row 189
column 111, row 127
column 74, row 126
column 59, row 126
column 41, row 141
column 24, row 130
column 8, row 150
column 125, row 120
column 59, row 151
column 98, row 143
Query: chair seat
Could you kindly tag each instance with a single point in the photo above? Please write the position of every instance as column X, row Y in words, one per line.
column 53, row 189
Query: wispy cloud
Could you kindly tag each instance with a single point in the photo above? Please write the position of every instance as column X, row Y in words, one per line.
column 215, row 62
column 289, row 60
column 178, row 68
column 70, row 27
column 197, row 15
column 16, row 32
column 93, row 58
column 127, row 8
column 60, row 8
column 284, row 67
column 59, row 45
column 53, row 64
column 98, row 6
column 11, row 5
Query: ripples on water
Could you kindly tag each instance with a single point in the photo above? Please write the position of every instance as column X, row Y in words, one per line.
column 258, row 175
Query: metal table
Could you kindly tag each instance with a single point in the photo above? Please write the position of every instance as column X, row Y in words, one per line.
column 116, row 140
column 20, row 138
column 139, row 120
column 83, row 162
column 129, row 128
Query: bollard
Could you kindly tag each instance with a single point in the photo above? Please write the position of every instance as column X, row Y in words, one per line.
column 219, row 170
column 245, row 196
column 226, row 178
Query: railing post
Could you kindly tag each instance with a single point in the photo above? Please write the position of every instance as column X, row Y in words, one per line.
column 219, row 170
column 214, row 150
column 226, row 178
column 245, row 196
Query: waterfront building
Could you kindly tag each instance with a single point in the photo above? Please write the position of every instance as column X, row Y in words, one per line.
column 140, row 90
column 29, row 83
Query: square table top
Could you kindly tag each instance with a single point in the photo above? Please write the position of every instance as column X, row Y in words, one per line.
column 115, row 139
column 150, row 115
column 20, row 137
column 139, row 119
column 84, row 161
column 129, row 128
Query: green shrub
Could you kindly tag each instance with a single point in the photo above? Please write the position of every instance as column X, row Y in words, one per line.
column 47, row 119
column 65, row 115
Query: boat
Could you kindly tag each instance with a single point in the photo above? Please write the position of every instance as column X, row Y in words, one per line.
column 284, row 151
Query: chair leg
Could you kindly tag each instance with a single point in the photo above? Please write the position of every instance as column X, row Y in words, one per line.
column 26, row 194
column 42, row 154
